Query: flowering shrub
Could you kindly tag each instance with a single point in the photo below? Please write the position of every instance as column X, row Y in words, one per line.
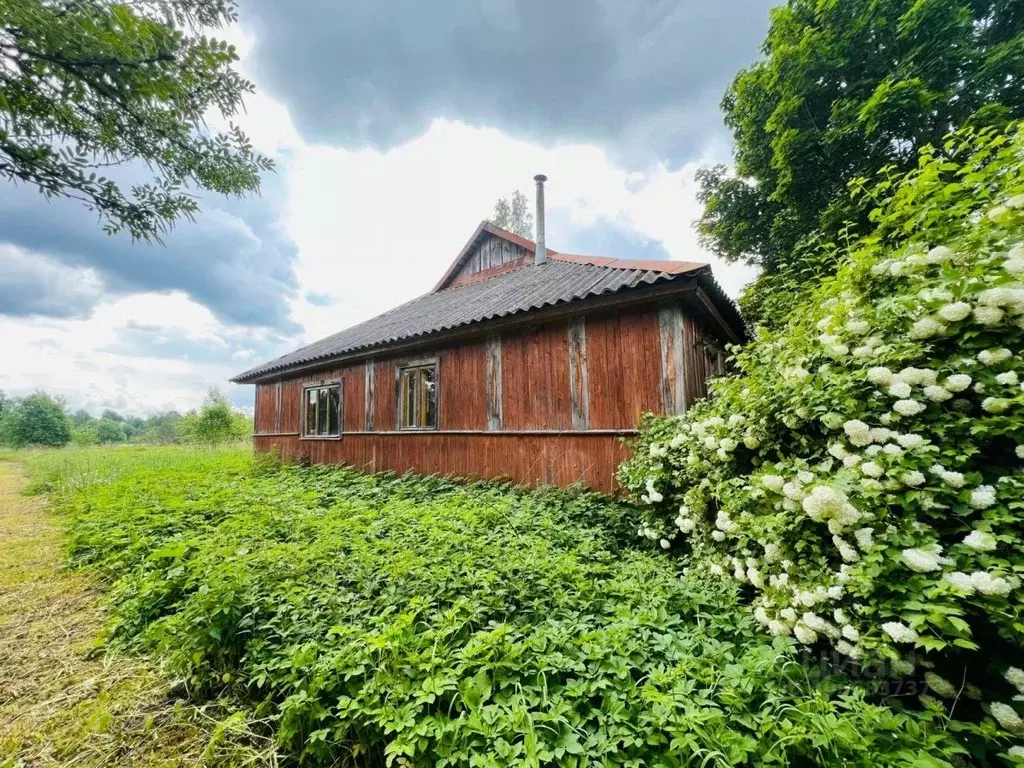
column 861, row 474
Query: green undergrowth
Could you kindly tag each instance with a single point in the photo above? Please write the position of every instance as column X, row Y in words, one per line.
column 411, row 621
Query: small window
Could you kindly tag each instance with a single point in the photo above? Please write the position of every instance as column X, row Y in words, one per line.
column 322, row 406
column 417, row 397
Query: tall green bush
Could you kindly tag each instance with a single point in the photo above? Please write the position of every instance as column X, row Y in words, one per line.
column 861, row 476
column 37, row 419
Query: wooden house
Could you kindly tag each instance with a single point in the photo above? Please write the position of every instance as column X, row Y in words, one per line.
column 522, row 362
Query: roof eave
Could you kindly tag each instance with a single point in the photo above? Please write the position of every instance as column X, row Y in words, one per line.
column 677, row 284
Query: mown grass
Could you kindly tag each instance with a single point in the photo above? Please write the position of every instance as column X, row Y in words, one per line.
column 374, row 619
column 65, row 699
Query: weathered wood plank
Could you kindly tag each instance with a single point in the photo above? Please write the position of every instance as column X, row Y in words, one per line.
column 493, row 379
column 368, row 387
column 673, row 359
column 579, row 379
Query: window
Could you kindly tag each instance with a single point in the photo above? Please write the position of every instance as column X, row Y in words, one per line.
column 417, row 396
column 322, row 407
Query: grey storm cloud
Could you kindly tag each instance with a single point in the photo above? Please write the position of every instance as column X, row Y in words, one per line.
column 642, row 78
column 233, row 258
column 31, row 285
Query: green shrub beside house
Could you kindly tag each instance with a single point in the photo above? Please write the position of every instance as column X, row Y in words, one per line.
column 861, row 477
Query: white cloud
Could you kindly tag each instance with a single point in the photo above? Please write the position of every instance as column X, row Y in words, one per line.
column 372, row 229
column 375, row 229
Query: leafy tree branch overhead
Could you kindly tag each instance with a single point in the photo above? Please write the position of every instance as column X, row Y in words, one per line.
column 87, row 86
column 845, row 89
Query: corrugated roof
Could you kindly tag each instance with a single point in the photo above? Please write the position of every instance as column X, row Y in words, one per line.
column 561, row 280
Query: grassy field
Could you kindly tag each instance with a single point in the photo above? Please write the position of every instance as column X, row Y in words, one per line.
column 64, row 699
column 372, row 620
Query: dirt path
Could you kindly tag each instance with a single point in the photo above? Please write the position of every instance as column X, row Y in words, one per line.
column 64, row 702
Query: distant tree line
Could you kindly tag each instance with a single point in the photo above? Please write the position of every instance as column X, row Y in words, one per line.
column 40, row 419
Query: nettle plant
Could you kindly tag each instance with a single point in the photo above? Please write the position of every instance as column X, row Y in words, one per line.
column 862, row 471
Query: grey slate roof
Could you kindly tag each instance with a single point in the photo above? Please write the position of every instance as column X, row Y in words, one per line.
column 519, row 290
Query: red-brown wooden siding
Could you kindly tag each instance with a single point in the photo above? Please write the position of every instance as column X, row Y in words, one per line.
column 535, row 378
column 462, row 397
column 591, row 459
column 623, row 363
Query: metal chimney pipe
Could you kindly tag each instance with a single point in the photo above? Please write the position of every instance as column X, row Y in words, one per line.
column 541, row 255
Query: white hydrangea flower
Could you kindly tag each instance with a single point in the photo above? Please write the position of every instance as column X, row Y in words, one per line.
column 848, row 649
column 892, row 450
column 805, row 634
column 938, row 255
column 858, row 432
column 937, row 394
column 838, row 450
column 987, row 584
column 925, row 328
column 908, row 407
column 1017, row 752
column 961, row 581
column 899, row 389
column 1008, row 378
column 981, row 541
column 718, row 535
column 987, row 315
column 954, row 313
column 848, row 553
column 899, row 632
column 858, row 327
column 910, row 441
column 652, row 496
column 982, row 497
column 994, row 356
column 793, row 491
column 773, row 483
column 914, row 479
column 665, row 543
column 850, row 633
column 922, row 560
column 1006, row 716
column 958, row 382
column 1019, row 450
column 823, row 502
column 871, row 469
column 879, row 375
column 865, row 537
column 1001, row 297
column 917, row 376
column 940, row 685
column 852, row 460
column 657, row 451
column 953, row 479
column 723, row 522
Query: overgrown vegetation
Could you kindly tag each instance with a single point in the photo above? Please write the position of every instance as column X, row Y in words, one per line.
column 61, row 702
column 861, row 477
column 411, row 621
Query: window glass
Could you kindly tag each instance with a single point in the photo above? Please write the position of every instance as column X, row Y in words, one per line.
column 417, row 408
column 311, row 412
column 323, row 411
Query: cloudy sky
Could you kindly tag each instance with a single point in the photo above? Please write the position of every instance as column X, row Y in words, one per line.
column 395, row 126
